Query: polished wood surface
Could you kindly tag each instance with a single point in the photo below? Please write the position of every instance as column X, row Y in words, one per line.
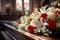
column 19, row 34
column 9, row 17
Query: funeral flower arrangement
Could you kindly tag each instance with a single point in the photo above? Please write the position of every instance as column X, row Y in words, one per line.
column 37, row 22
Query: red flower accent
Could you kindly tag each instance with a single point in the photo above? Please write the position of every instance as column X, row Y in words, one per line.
column 52, row 23
column 30, row 29
column 44, row 15
column 30, row 19
column 30, row 12
column 56, row 12
column 19, row 21
column 39, row 20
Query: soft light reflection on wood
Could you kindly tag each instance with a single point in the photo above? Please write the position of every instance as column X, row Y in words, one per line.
column 36, row 37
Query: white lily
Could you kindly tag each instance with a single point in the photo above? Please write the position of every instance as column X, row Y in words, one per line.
column 43, row 9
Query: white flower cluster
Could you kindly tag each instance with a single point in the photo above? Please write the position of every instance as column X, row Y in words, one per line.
column 36, row 20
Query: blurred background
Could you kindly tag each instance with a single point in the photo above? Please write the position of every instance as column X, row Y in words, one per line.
column 13, row 9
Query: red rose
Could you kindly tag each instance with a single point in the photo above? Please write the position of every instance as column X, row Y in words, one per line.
column 19, row 21
column 51, row 23
column 56, row 12
column 44, row 15
column 30, row 29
